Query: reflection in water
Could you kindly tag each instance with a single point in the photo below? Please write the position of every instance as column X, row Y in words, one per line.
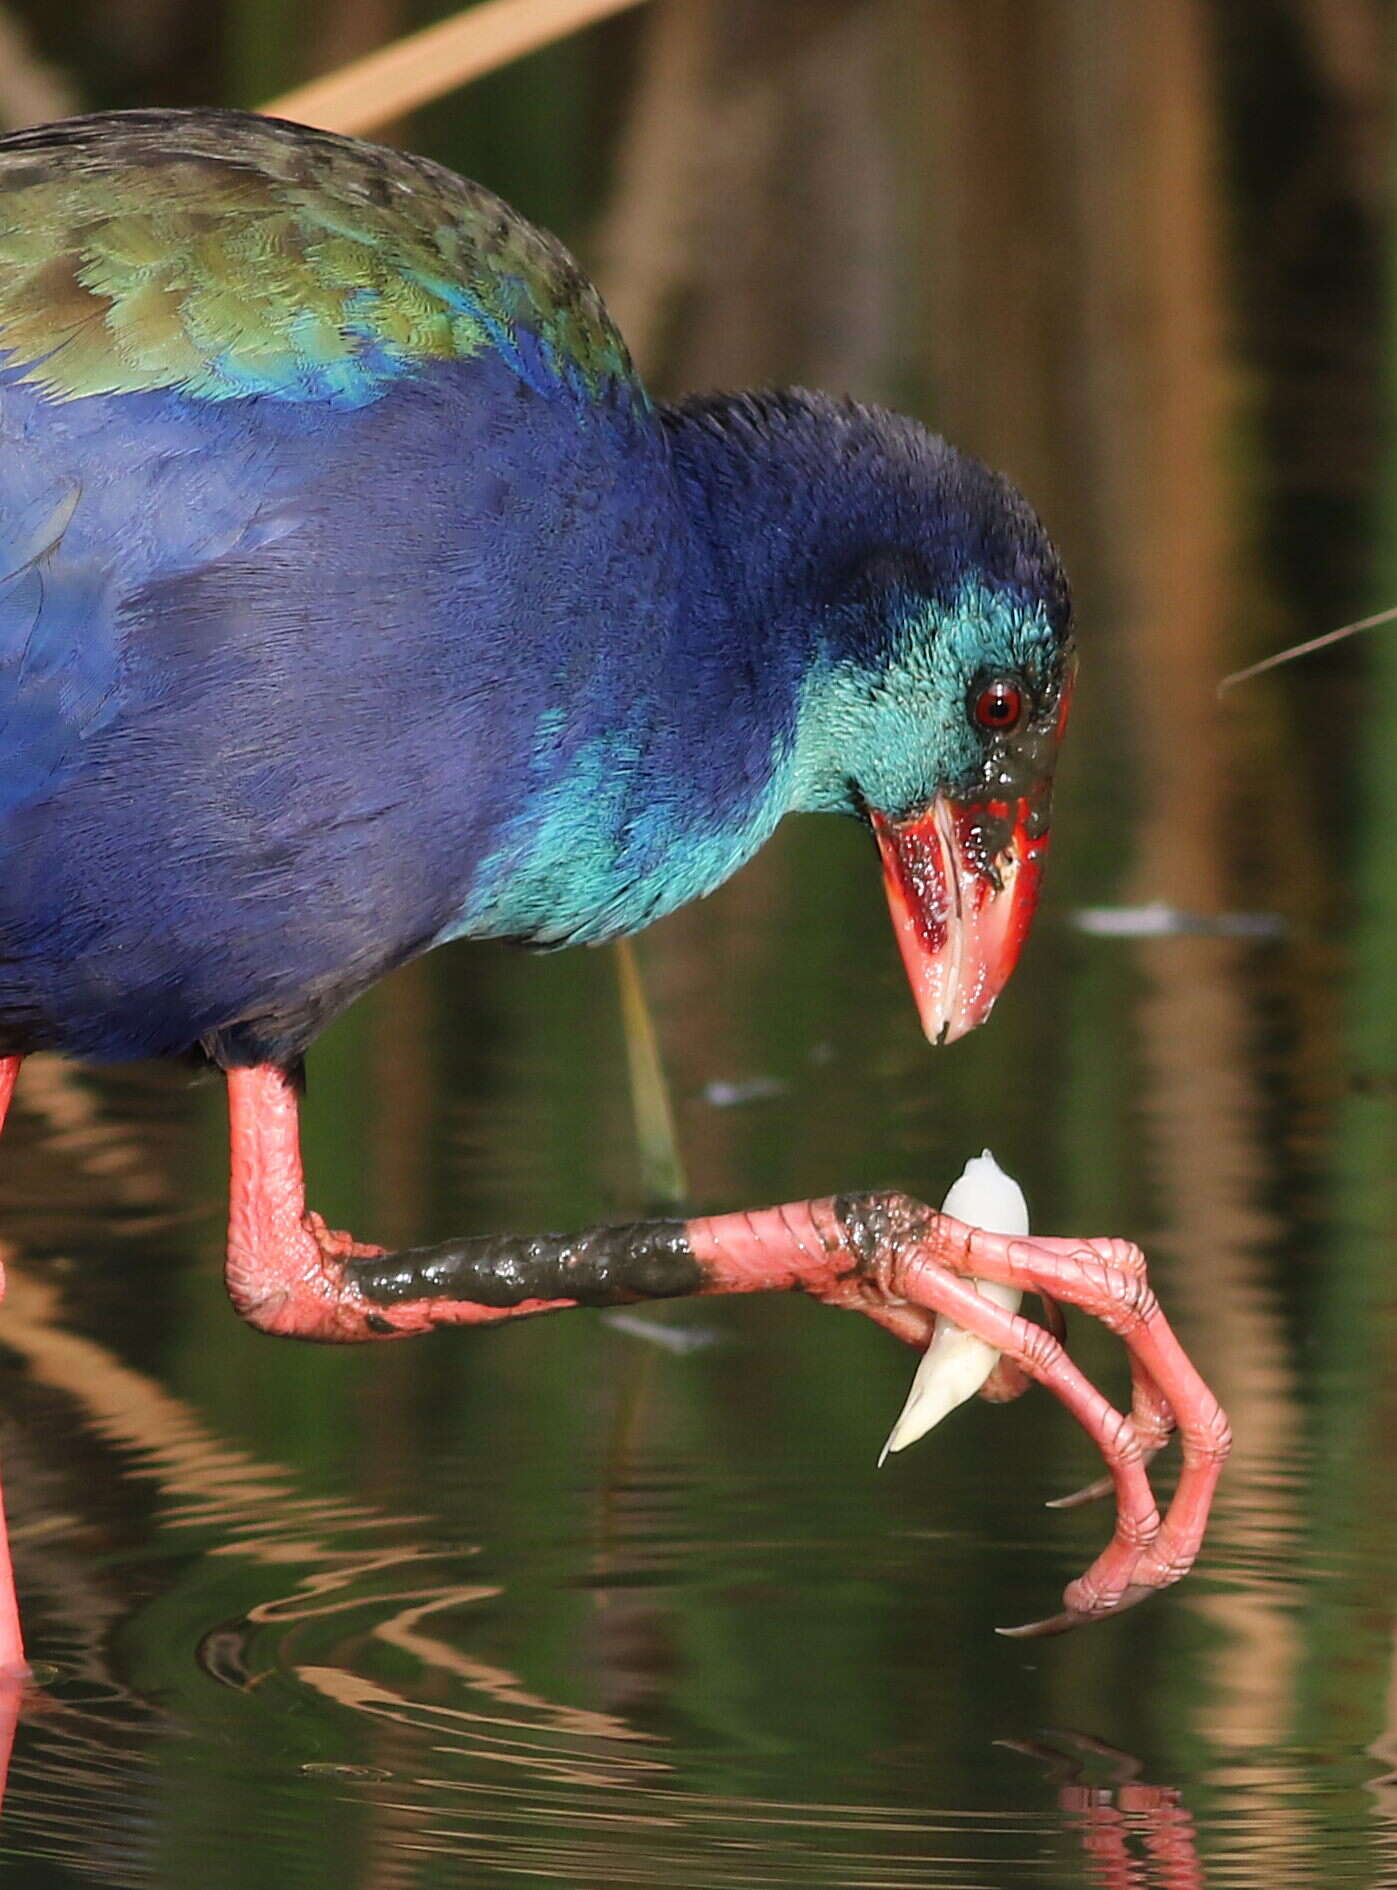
column 1114, row 1817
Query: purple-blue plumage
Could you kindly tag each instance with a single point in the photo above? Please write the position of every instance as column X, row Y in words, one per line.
column 309, row 700
column 293, row 686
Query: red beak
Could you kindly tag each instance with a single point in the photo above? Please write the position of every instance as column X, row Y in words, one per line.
column 962, row 884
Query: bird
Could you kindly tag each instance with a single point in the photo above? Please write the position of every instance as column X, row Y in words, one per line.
column 356, row 597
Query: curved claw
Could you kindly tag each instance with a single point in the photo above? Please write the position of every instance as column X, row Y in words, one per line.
column 1079, row 1617
column 1040, row 1630
column 1089, row 1493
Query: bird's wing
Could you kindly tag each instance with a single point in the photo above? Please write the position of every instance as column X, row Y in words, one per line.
column 225, row 255
column 57, row 644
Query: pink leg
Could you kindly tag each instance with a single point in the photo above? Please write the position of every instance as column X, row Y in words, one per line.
column 882, row 1255
column 13, row 1665
column 287, row 1273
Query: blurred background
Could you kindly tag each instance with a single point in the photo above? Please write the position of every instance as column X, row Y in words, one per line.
column 559, row 1603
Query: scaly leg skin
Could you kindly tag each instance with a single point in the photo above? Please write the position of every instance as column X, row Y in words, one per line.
column 883, row 1255
column 13, row 1666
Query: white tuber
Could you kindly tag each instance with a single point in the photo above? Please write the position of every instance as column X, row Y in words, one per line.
column 956, row 1363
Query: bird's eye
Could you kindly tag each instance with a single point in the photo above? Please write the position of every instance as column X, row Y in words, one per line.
column 999, row 706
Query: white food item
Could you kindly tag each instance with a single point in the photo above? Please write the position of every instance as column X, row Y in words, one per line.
column 956, row 1363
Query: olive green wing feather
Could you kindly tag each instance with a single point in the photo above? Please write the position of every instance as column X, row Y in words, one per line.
column 225, row 254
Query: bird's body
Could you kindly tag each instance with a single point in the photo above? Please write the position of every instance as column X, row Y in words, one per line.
column 344, row 635
column 280, row 691
column 354, row 596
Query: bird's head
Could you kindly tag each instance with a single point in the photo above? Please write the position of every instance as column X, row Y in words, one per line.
column 934, row 711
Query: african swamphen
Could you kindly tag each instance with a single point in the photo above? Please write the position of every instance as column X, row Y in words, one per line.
column 354, row 597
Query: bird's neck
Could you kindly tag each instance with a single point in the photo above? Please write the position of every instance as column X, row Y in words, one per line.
column 680, row 747
column 787, row 499
column 777, row 506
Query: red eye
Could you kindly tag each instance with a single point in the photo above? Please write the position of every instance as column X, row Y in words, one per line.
column 999, row 708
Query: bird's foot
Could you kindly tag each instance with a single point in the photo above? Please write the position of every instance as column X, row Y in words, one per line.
column 929, row 1260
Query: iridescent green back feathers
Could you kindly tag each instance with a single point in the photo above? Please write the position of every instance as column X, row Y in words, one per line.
column 224, row 254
